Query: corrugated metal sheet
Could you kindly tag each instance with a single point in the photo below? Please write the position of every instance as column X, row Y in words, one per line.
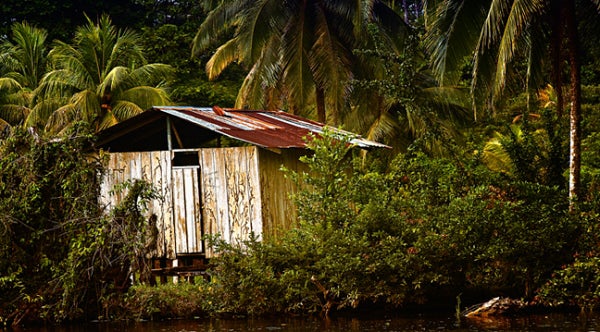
column 267, row 129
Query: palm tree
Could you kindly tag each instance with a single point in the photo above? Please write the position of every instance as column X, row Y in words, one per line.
column 299, row 53
column 22, row 64
column 395, row 98
column 499, row 31
column 522, row 153
column 101, row 78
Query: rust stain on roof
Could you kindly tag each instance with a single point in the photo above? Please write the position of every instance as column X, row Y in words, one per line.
column 269, row 129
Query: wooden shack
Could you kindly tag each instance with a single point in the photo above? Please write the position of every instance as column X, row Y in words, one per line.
column 217, row 171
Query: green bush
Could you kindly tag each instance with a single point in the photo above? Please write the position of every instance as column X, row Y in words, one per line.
column 425, row 231
column 47, row 189
column 61, row 256
column 181, row 300
column 578, row 284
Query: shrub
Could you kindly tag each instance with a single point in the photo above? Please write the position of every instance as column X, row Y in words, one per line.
column 48, row 189
column 60, row 255
column 428, row 229
column 181, row 300
column 578, row 284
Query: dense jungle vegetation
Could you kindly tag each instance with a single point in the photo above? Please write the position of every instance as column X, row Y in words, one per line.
column 492, row 109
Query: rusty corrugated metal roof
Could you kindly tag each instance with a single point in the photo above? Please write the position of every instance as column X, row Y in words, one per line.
column 268, row 129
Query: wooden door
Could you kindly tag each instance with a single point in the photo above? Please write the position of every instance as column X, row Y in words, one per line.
column 187, row 210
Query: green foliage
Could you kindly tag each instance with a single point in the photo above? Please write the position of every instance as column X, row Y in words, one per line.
column 241, row 282
column 425, row 231
column 531, row 149
column 326, row 198
column 181, row 300
column 105, row 253
column 61, row 257
column 46, row 188
column 102, row 78
column 577, row 284
column 170, row 44
column 396, row 99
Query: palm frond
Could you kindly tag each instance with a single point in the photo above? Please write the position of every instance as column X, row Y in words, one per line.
column 383, row 128
column 8, row 85
column 257, row 27
column 14, row 114
column 395, row 30
column 223, row 57
column 297, row 75
column 60, row 82
column 113, row 80
column 330, row 66
column 151, row 74
column 61, row 118
column 219, row 20
column 87, row 104
column 255, row 90
column 5, row 129
column 109, row 119
column 91, row 75
column 126, row 49
column 495, row 156
column 26, row 55
column 42, row 111
column 452, row 36
column 144, row 97
column 122, row 110
column 518, row 20
column 448, row 102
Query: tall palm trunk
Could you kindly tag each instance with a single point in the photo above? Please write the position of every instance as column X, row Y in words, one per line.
column 320, row 96
column 575, row 113
column 555, row 57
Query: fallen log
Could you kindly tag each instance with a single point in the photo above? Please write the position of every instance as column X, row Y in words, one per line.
column 498, row 306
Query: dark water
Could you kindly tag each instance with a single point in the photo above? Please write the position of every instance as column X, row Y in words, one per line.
column 428, row 322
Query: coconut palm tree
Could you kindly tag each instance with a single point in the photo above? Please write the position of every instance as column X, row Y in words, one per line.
column 299, row 53
column 499, row 31
column 22, row 65
column 101, row 78
column 396, row 99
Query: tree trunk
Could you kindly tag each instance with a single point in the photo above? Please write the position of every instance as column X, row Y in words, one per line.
column 556, row 58
column 575, row 113
column 321, row 115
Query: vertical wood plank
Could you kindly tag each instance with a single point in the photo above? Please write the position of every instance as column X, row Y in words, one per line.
column 135, row 167
column 233, row 191
column 121, row 167
column 208, row 195
column 106, row 184
column 221, row 195
column 168, row 211
column 179, row 211
column 154, row 167
column 198, row 207
column 158, row 206
column 278, row 210
column 189, row 178
column 254, row 196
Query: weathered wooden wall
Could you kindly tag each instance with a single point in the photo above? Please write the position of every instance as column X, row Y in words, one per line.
column 278, row 210
column 221, row 195
column 231, row 193
column 154, row 167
